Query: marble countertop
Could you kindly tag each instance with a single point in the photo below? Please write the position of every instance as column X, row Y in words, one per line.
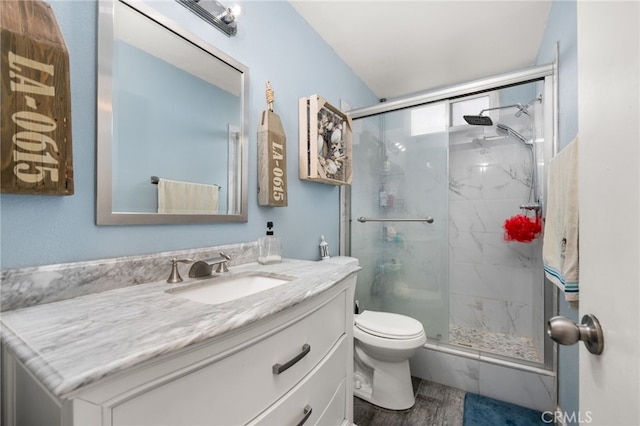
column 75, row 342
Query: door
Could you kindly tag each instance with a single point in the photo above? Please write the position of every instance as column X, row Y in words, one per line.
column 608, row 93
column 400, row 161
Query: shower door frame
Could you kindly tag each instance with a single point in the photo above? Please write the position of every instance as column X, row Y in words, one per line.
column 546, row 73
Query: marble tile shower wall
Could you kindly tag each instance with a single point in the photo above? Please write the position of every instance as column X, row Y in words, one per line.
column 492, row 282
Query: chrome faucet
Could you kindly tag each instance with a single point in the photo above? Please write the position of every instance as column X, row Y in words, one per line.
column 203, row 268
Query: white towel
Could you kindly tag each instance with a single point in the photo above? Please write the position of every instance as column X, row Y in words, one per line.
column 560, row 243
column 187, row 198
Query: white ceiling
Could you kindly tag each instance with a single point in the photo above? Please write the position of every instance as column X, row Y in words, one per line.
column 401, row 47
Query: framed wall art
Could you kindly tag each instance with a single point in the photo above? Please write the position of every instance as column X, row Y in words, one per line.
column 325, row 142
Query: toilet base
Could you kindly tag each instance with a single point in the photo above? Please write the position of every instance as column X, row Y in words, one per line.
column 390, row 387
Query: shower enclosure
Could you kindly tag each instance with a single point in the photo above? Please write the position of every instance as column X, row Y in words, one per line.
column 427, row 206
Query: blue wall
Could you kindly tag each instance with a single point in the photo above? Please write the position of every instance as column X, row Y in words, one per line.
column 562, row 28
column 277, row 45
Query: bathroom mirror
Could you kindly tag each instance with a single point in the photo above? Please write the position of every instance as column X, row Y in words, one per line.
column 171, row 107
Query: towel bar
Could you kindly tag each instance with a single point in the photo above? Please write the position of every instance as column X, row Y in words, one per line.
column 156, row 179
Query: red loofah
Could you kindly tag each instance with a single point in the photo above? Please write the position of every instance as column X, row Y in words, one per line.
column 522, row 228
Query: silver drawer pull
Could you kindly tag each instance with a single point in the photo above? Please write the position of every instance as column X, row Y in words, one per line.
column 279, row 368
column 307, row 413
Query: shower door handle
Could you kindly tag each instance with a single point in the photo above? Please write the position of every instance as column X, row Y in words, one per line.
column 363, row 219
column 566, row 332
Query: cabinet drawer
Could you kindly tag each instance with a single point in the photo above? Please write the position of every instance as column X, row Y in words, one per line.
column 237, row 388
column 312, row 398
column 336, row 412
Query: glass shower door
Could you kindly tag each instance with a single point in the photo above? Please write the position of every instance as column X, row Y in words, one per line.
column 401, row 170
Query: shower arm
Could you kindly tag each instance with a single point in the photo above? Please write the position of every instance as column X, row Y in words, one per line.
column 519, row 106
column 522, row 108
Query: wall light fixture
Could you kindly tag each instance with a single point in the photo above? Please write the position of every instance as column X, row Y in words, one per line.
column 221, row 17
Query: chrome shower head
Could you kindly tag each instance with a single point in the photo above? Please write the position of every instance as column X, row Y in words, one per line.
column 483, row 120
column 478, row 120
column 503, row 128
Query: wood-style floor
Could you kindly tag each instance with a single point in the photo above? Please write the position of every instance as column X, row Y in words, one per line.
column 436, row 405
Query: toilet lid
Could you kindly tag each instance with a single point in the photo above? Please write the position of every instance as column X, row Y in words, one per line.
column 388, row 325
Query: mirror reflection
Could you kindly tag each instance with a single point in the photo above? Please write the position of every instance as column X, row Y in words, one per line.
column 171, row 115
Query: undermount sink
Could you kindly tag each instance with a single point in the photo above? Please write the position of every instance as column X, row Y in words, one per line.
column 224, row 289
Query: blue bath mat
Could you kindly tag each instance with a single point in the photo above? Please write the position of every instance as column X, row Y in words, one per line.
column 482, row 411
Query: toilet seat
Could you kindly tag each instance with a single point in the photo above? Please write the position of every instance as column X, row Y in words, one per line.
column 388, row 325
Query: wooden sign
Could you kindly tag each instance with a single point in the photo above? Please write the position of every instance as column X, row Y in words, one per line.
column 272, row 161
column 272, row 157
column 325, row 142
column 36, row 155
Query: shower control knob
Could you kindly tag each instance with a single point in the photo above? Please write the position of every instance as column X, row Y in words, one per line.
column 566, row 332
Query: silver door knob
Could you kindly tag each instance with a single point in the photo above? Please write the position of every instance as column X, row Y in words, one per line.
column 566, row 332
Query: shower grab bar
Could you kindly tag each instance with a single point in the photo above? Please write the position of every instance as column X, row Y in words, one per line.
column 363, row 219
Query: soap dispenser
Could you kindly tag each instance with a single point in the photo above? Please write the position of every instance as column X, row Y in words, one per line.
column 269, row 247
column 324, row 248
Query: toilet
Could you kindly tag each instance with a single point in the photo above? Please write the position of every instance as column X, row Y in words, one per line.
column 383, row 344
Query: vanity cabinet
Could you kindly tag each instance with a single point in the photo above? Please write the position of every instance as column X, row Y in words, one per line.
column 290, row 367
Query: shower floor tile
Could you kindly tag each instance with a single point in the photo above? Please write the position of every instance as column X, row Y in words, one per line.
column 497, row 343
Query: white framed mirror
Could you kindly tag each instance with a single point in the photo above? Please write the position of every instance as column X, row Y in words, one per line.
column 172, row 115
